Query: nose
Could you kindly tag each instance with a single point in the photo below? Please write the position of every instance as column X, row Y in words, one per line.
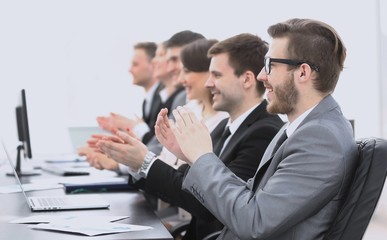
column 262, row 76
column 181, row 78
column 209, row 83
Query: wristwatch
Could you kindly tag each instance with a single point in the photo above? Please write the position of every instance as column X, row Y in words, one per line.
column 145, row 165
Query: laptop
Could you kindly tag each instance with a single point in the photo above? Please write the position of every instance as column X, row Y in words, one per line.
column 56, row 203
column 73, row 164
column 80, row 135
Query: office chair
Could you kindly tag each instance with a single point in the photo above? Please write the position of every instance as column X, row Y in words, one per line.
column 366, row 187
column 178, row 231
column 212, row 236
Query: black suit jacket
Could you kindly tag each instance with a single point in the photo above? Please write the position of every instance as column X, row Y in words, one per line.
column 150, row 119
column 242, row 155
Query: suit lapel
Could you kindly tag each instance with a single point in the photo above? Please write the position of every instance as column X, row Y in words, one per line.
column 155, row 107
column 254, row 116
column 269, row 163
column 326, row 104
column 217, row 132
column 267, row 158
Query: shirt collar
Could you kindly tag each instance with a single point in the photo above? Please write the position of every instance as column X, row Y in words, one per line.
column 163, row 95
column 149, row 94
column 294, row 125
column 233, row 126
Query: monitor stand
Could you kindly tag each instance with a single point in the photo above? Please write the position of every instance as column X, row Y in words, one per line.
column 18, row 170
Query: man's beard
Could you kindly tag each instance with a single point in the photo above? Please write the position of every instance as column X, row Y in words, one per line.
column 286, row 96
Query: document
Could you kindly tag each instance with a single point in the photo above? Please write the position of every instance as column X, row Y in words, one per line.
column 87, row 225
column 90, row 228
column 79, row 180
column 59, row 218
column 15, row 188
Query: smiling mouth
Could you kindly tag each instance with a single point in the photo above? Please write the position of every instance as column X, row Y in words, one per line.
column 268, row 88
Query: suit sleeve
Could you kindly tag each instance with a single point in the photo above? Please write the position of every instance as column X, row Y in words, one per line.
column 166, row 183
column 306, row 179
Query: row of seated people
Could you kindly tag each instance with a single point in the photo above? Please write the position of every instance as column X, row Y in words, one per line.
column 228, row 159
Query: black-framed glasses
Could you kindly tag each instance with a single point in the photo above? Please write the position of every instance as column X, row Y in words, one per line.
column 269, row 60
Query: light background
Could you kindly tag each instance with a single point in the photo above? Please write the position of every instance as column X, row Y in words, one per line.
column 72, row 56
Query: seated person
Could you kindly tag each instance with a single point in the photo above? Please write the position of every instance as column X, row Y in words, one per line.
column 234, row 65
column 166, row 65
column 306, row 171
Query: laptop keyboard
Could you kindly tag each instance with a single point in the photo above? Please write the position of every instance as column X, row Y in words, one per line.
column 47, row 202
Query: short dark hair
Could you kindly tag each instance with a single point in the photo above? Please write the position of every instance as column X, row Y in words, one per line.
column 317, row 43
column 148, row 47
column 246, row 53
column 194, row 55
column 182, row 38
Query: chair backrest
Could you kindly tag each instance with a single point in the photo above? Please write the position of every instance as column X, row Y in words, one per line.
column 212, row 236
column 366, row 187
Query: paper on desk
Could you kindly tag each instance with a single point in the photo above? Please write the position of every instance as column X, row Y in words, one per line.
column 58, row 218
column 92, row 228
column 29, row 187
column 64, row 158
column 80, row 180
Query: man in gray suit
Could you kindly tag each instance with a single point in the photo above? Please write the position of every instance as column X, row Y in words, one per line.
column 304, row 175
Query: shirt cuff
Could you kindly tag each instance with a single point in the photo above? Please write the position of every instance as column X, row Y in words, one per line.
column 122, row 169
column 144, row 173
column 135, row 174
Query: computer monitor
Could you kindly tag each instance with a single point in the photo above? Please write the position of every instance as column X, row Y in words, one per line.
column 23, row 136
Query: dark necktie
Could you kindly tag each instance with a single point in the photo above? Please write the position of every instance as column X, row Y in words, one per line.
column 281, row 139
column 145, row 115
column 219, row 145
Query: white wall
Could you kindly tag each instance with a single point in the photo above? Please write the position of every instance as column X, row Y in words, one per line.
column 382, row 205
column 383, row 63
column 72, row 56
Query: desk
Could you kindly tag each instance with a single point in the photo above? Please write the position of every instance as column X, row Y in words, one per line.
column 133, row 204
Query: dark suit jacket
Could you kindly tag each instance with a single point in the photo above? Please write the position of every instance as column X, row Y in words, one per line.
column 150, row 119
column 178, row 98
column 242, row 155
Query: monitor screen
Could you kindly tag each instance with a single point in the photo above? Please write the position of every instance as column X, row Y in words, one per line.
column 22, row 125
column 24, row 136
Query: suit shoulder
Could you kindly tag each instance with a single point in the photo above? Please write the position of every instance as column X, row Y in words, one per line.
column 272, row 120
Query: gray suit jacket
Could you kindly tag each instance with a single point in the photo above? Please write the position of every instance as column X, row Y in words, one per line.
column 298, row 191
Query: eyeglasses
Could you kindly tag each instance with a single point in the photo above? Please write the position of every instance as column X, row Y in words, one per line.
column 269, row 60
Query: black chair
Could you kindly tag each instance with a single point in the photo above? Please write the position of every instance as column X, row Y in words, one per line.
column 178, row 231
column 212, row 236
column 366, row 187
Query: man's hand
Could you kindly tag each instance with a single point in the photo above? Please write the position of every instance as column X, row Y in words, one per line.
column 116, row 122
column 130, row 151
column 191, row 135
column 165, row 135
column 97, row 159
